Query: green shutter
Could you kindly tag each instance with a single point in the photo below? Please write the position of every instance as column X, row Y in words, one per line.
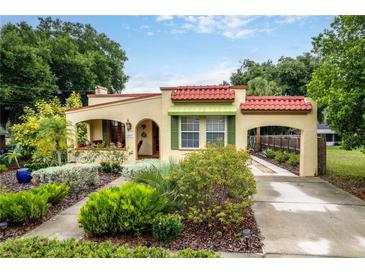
column 174, row 132
column 106, row 131
column 231, row 129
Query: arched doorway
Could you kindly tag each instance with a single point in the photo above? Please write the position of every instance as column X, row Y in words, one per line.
column 147, row 140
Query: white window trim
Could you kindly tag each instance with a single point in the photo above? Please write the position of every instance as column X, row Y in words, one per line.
column 225, row 130
column 180, row 134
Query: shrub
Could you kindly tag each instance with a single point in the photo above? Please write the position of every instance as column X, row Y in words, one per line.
column 269, row 153
column 30, row 205
column 38, row 247
column 22, row 206
column 157, row 175
column 206, row 180
column 167, row 227
column 293, row 159
column 129, row 208
column 3, row 168
column 281, row 156
column 77, row 176
column 105, row 167
column 189, row 253
column 54, row 192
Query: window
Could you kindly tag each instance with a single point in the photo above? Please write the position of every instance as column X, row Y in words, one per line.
column 189, row 129
column 215, row 129
column 117, row 133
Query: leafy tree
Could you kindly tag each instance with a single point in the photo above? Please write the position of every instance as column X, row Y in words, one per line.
column 339, row 82
column 52, row 60
column 43, row 129
column 260, row 86
column 288, row 77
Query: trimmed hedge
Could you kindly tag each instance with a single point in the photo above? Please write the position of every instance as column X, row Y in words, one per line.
column 128, row 208
column 30, row 205
column 37, row 247
column 77, row 176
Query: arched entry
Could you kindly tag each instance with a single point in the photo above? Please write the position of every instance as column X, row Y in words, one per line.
column 276, row 144
column 147, row 139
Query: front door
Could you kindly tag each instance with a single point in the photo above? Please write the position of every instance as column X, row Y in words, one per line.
column 155, row 140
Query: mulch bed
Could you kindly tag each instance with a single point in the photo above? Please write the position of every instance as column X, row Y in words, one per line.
column 199, row 236
column 353, row 185
column 9, row 182
column 293, row 169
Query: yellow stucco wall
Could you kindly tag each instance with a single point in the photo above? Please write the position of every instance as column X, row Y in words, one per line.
column 156, row 109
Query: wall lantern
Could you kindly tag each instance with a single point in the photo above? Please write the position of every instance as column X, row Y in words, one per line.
column 129, row 125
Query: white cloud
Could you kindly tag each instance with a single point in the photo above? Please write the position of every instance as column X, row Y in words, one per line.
column 150, row 33
column 232, row 27
column 291, row 19
column 215, row 76
column 145, row 27
column 164, row 18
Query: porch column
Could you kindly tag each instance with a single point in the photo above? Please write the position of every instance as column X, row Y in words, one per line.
column 308, row 153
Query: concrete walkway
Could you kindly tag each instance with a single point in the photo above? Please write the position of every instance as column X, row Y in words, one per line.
column 65, row 225
column 307, row 216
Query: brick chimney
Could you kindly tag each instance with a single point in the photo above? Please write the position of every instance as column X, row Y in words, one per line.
column 101, row 90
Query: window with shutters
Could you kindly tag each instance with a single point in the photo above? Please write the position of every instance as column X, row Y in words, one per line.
column 215, row 129
column 189, row 131
column 117, row 133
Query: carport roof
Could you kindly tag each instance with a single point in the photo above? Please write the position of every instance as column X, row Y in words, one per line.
column 275, row 103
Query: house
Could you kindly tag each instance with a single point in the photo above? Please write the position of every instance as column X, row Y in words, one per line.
column 331, row 136
column 178, row 120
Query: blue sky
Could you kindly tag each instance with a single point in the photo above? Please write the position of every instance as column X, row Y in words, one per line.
column 197, row 50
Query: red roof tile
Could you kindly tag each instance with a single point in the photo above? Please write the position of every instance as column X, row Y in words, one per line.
column 277, row 103
column 202, row 93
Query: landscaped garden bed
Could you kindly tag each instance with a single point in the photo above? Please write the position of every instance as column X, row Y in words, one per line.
column 44, row 248
column 281, row 159
column 8, row 183
column 202, row 202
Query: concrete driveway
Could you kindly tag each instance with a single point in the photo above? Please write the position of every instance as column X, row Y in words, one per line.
column 301, row 216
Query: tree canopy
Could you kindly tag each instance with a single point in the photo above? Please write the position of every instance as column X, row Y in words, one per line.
column 288, row 77
column 54, row 59
column 339, row 82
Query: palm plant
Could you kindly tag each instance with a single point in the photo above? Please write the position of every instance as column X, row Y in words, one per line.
column 13, row 156
column 52, row 136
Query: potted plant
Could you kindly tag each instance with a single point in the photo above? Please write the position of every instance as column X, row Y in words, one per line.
column 22, row 174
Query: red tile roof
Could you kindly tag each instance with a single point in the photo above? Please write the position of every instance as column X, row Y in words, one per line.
column 202, row 92
column 276, row 103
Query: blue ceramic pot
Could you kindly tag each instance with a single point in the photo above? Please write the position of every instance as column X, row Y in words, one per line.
column 23, row 175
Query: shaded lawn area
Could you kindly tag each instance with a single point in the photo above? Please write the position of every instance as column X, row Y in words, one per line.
column 346, row 169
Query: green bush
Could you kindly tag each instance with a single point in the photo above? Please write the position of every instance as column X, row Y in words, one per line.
column 129, row 208
column 37, row 247
column 167, row 227
column 30, row 205
column 77, row 176
column 189, row 253
column 206, row 180
column 3, row 168
column 281, row 156
column 158, row 176
column 54, row 192
column 22, row 206
column 105, row 167
column 293, row 159
column 269, row 153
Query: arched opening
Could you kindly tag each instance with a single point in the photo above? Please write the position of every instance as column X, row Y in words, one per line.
column 277, row 145
column 147, row 140
column 101, row 133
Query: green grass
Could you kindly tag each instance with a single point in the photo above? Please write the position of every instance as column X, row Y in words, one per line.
column 342, row 162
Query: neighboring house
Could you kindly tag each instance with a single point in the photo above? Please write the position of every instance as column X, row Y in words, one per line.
column 178, row 120
column 331, row 136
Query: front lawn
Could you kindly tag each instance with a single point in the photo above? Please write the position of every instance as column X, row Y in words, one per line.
column 346, row 170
